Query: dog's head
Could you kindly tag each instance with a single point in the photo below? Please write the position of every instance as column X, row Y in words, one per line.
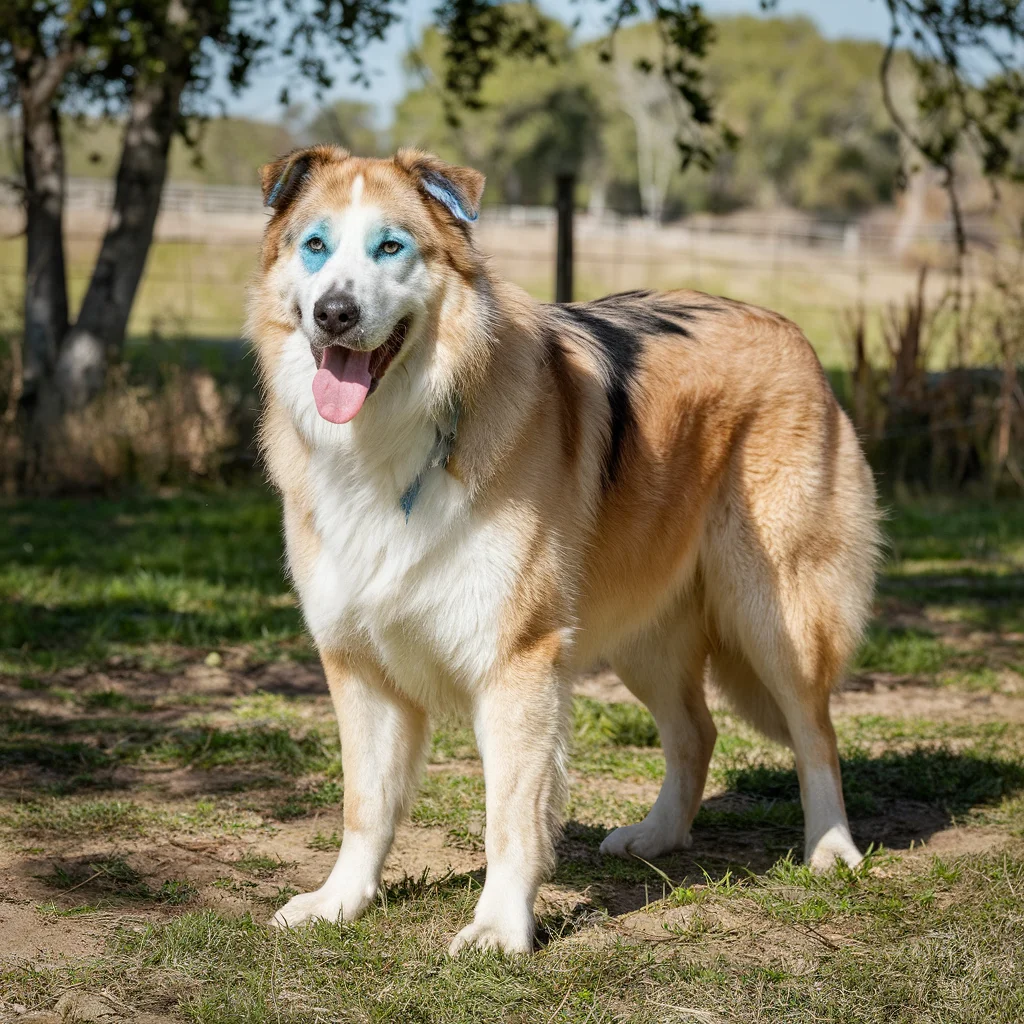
column 357, row 259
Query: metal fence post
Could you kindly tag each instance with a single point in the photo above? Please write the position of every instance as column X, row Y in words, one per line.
column 565, row 190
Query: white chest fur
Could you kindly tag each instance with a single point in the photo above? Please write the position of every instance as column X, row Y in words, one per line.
column 425, row 593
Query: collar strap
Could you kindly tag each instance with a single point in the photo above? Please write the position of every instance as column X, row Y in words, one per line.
column 444, row 442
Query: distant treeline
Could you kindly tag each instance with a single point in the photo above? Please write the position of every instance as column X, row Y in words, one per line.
column 813, row 132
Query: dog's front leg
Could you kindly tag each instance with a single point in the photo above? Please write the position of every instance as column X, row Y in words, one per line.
column 521, row 725
column 383, row 741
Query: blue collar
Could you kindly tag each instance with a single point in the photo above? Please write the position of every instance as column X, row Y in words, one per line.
column 444, row 442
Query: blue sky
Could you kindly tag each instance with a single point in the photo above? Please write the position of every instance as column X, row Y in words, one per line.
column 859, row 19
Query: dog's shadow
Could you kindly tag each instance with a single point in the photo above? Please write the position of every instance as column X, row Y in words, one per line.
column 895, row 800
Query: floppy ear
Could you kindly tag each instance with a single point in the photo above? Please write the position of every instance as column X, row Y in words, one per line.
column 283, row 179
column 457, row 189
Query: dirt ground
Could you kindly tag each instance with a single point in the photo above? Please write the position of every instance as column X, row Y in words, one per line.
column 37, row 918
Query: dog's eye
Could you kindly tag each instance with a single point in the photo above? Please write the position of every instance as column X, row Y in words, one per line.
column 315, row 244
column 391, row 247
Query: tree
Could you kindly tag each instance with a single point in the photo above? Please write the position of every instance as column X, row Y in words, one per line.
column 970, row 86
column 648, row 102
column 536, row 114
column 150, row 63
column 815, row 133
column 346, row 123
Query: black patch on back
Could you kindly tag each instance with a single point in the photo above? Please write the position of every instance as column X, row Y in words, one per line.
column 681, row 312
column 619, row 323
column 636, row 293
column 620, row 346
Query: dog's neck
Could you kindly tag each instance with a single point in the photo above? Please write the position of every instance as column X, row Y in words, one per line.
column 455, row 404
column 494, row 331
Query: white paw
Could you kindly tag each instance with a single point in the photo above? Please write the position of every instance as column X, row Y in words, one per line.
column 835, row 844
column 493, row 935
column 307, row 907
column 645, row 840
column 324, row 905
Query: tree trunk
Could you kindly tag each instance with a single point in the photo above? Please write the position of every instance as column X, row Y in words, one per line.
column 46, row 298
column 99, row 332
column 39, row 76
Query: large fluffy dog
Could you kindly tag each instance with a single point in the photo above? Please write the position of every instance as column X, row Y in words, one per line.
column 483, row 493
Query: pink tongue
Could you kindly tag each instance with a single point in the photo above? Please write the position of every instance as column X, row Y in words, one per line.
column 341, row 384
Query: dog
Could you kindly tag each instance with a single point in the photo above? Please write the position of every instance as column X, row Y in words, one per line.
column 483, row 494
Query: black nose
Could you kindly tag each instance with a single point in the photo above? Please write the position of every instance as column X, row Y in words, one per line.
column 336, row 312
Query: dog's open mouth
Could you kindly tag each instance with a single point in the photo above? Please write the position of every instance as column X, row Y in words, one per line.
column 346, row 376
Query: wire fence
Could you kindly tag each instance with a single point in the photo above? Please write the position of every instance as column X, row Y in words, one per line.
column 205, row 247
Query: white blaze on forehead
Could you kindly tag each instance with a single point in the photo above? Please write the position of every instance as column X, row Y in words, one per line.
column 357, row 190
column 353, row 227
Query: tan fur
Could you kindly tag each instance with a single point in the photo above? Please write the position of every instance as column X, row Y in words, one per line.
column 719, row 514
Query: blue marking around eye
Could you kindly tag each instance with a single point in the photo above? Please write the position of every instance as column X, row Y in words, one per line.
column 445, row 195
column 389, row 234
column 312, row 259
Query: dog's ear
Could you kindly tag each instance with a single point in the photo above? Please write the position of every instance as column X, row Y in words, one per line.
column 457, row 189
column 283, row 180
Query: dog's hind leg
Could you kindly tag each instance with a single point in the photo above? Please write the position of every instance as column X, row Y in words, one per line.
column 795, row 712
column 664, row 669
column 383, row 742
column 791, row 639
column 522, row 728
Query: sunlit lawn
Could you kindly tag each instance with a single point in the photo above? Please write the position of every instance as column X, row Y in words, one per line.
column 169, row 773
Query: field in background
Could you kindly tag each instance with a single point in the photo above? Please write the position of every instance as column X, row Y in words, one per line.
column 169, row 774
column 207, row 240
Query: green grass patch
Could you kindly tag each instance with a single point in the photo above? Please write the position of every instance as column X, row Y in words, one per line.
column 113, row 879
column 936, row 943
column 954, row 780
column 111, row 700
column 949, row 530
column 81, row 580
column 69, row 817
column 452, row 742
column 450, row 800
column 620, row 725
column 308, row 799
column 260, row 864
column 81, row 750
column 269, row 746
column 903, row 652
column 324, row 843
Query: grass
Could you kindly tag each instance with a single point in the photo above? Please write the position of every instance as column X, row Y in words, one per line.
column 902, row 651
column 82, row 580
column 940, row 943
column 81, row 750
column 112, row 881
column 52, row 817
column 619, row 725
column 167, row 801
column 187, row 287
